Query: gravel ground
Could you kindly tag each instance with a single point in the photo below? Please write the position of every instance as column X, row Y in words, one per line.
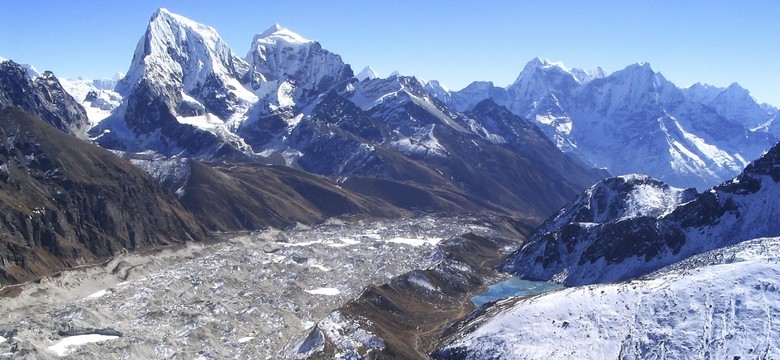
column 246, row 297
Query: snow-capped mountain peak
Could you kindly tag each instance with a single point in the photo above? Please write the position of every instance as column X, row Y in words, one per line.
column 703, row 93
column 277, row 33
column 32, row 72
column 537, row 80
column 733, row 103
column 176, row 49
column 576, row 247
column 286, row 68
column 537, row 65
column 183, row 79
column 367, row 73
column 438, row 90
column 551, row 69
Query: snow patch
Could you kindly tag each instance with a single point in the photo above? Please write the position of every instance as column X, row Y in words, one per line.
column 421, row 281
column 329, row 291
column 69, row 344
column 349, row 335
column 245, row 339
column 414, row 241
column 98, row 294
column 320, row 266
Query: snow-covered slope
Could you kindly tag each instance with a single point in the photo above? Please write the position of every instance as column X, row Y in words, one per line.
column 287, row 69
column 179, row 54
column 734, row 103
column 635, row 121
column 721, row 305
column 96, row 96
column 622, row 229
column 289, row 74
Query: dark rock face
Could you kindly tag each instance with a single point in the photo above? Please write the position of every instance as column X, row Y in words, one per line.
column 65, row 202
column 167, row 79
column 523, row 173
column 307, row 110
column 768, row 164
column 43, row 97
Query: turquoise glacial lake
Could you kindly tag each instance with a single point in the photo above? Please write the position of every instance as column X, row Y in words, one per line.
column 514, row 287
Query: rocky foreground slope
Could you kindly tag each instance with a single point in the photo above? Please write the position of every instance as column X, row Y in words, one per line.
column 66, row 202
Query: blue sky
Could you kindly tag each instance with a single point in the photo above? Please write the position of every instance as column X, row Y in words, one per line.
column 455, row 41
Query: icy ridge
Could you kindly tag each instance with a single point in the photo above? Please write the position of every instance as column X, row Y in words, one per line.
column 649, row 227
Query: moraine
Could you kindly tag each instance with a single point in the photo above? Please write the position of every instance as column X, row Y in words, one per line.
column 247, row 296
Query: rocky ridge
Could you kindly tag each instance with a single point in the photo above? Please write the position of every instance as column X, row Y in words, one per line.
column 626, row 227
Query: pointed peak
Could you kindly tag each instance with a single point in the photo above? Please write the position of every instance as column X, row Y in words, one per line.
column 272, row 30
column 735, row 86
column 160, row 11
column 163, row 13
column 535, row 62
column 278, row 32
column 437, row 84
column 538, row 63
column 162, row 18
column 736, row 90
column 367, row 73
column 642, row 66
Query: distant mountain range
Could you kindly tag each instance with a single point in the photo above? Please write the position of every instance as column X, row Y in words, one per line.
column 209, row 103
column 636, row 121
column 291, row 102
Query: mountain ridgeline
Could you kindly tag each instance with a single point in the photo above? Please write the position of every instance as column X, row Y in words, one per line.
column 636, row 121
column 291, row 102
column 625, row 227
column 196, row 140
column 257, row 107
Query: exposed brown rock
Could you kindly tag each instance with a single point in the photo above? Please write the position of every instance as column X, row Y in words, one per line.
column 65, row 202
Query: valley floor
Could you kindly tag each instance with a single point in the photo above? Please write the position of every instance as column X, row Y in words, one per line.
column 246, row 297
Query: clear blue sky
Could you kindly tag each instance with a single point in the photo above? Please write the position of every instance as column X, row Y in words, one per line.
column 454, row 41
